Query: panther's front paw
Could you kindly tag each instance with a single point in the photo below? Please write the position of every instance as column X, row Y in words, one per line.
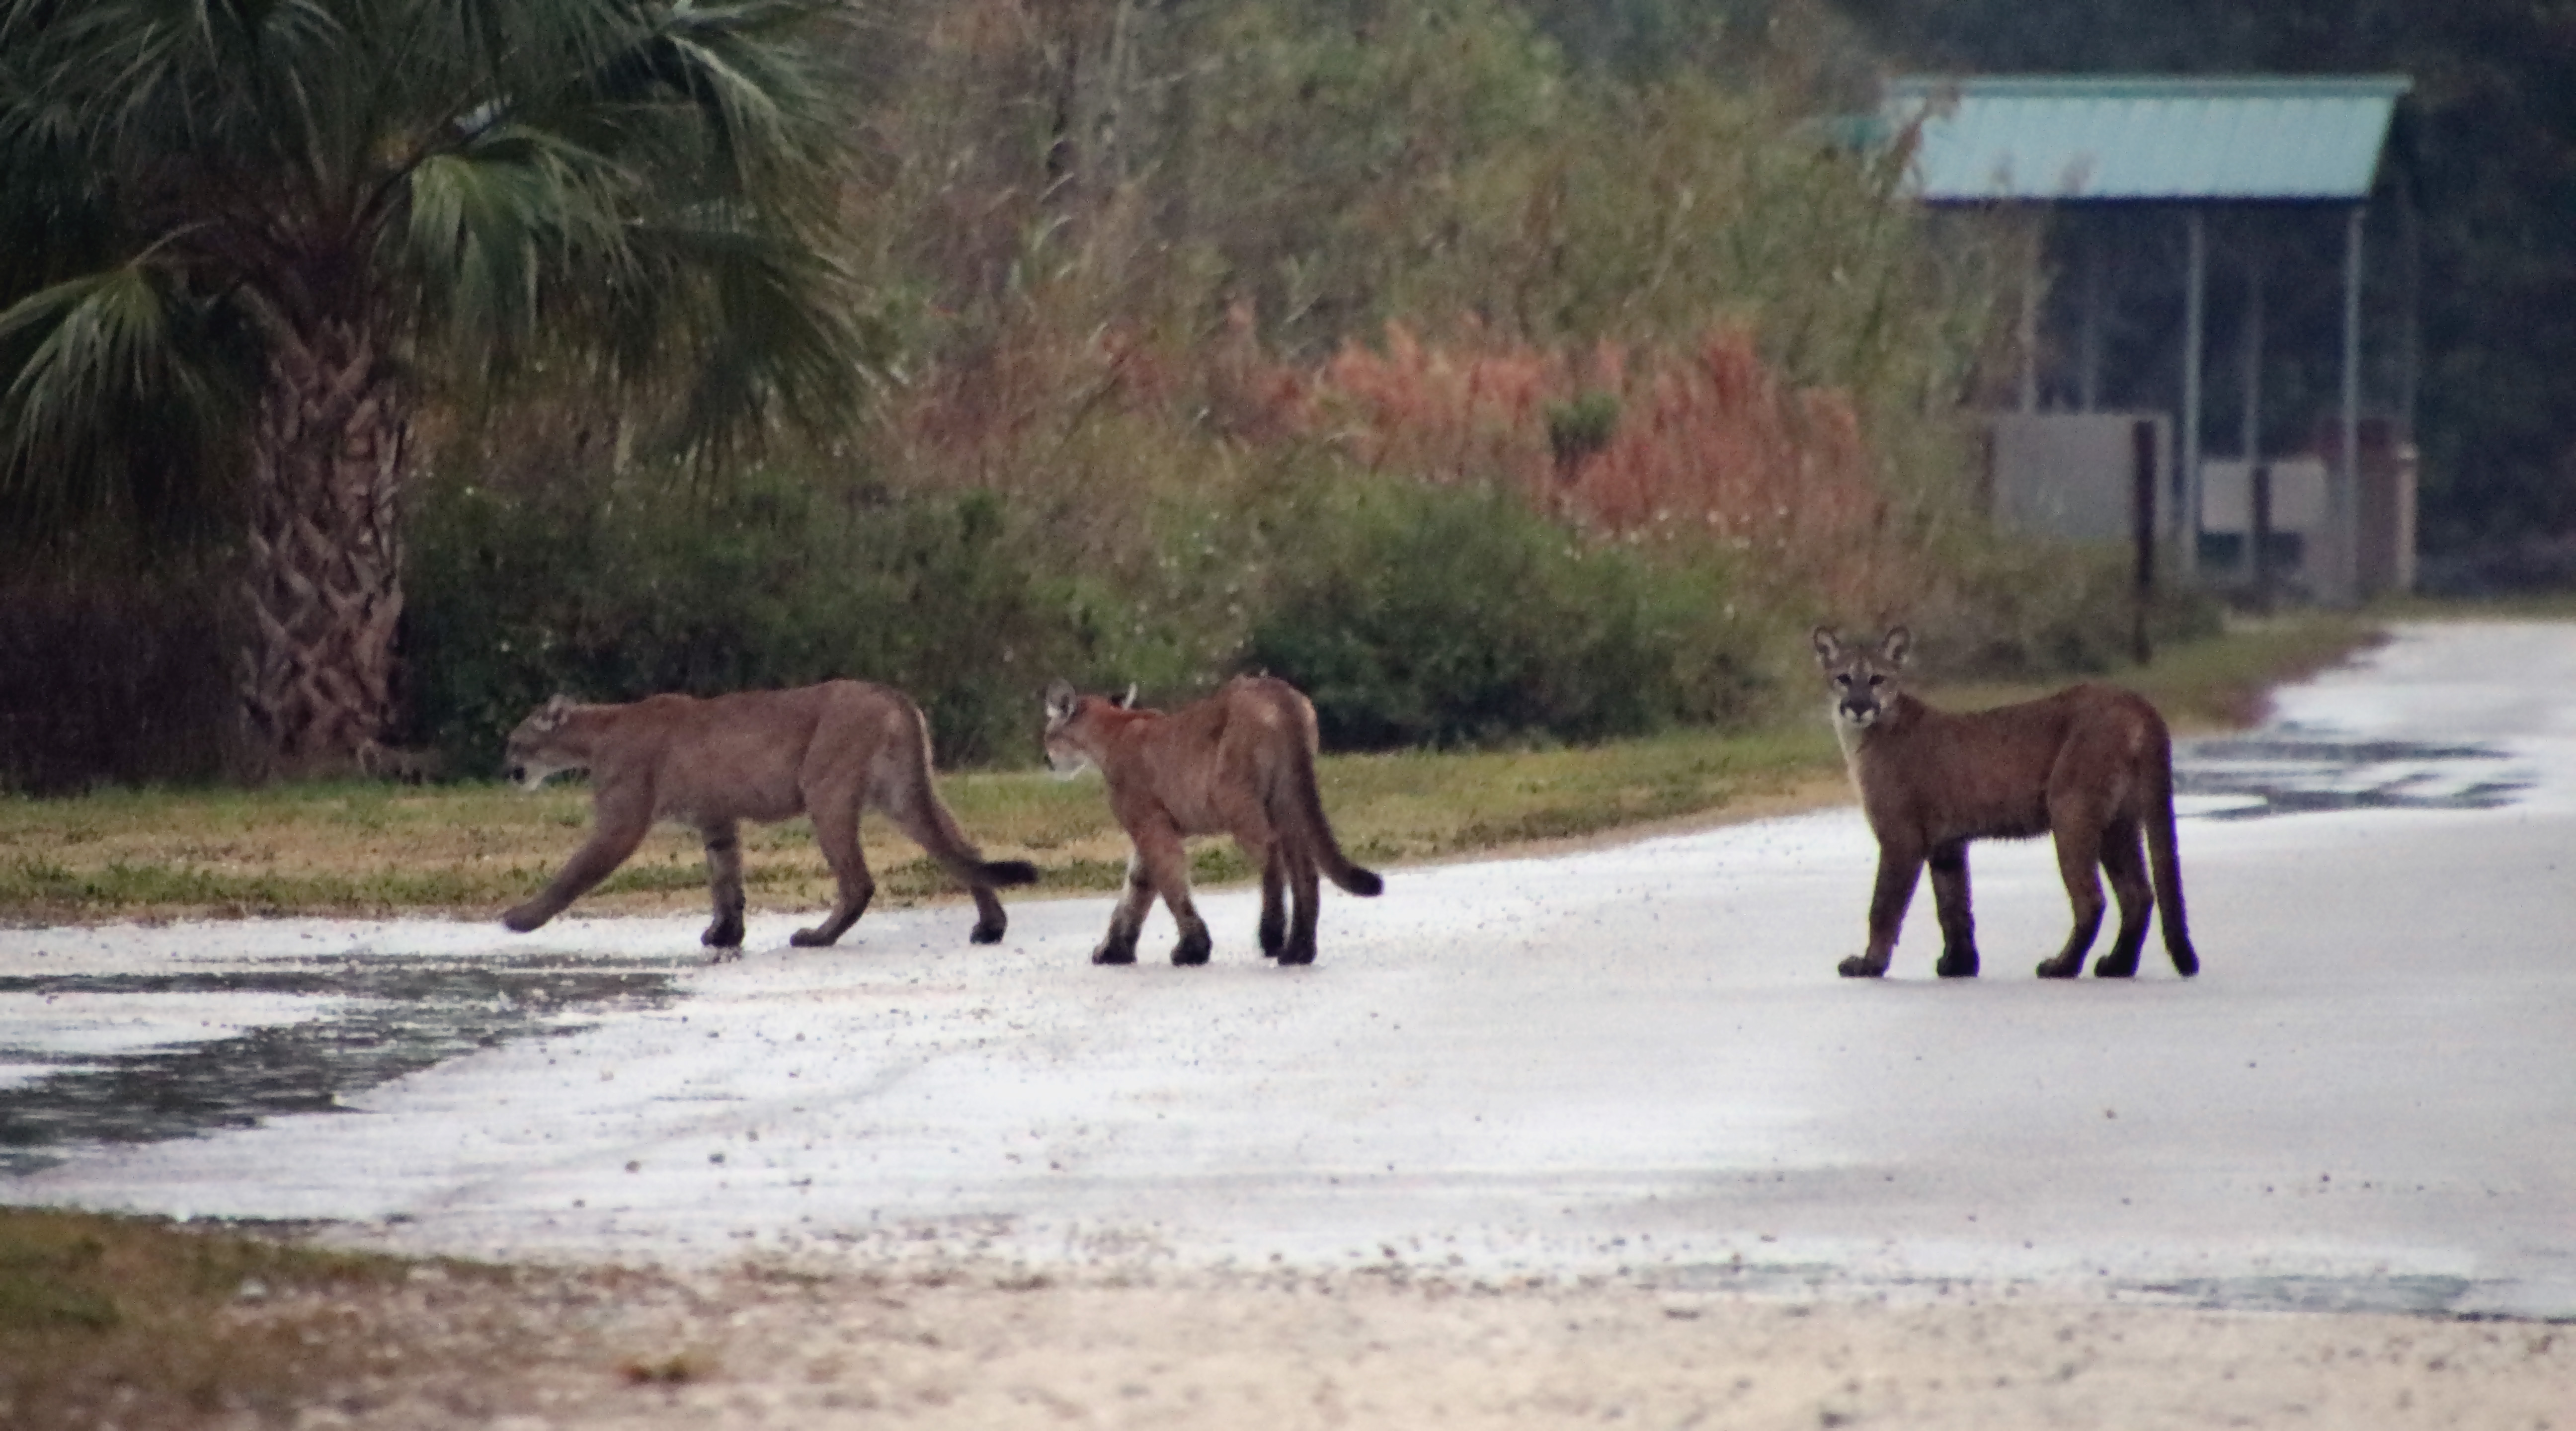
column 524, row 918
column 986, row 934
column 1859, row 966
column 1957, row 964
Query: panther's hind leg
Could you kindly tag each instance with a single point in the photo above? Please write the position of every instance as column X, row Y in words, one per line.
column 1306, row 885
column 2124, row 859
column 836, row 829
column 2078, row 848
column 1273, row 860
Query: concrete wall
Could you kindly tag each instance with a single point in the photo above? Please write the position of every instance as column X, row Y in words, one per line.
column 2069, row 474
column 2385, row 557
column 2299, row 533
column 2384, row 552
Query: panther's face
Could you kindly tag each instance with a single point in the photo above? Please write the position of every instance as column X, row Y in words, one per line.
column 1070, row 727
column 1860, row 680
column 535, row 750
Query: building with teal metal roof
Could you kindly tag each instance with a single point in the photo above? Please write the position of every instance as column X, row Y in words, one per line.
column 2119, row 171
column 2051, row 139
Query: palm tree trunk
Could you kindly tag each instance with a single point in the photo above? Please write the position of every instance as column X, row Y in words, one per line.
column 324, row 586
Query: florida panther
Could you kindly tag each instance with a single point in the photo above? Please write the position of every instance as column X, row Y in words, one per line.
column 1241, row 762
column 2091, row 765
column 828, row 751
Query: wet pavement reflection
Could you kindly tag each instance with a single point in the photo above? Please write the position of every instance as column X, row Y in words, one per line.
column 376, row 1019
column 2291, row 770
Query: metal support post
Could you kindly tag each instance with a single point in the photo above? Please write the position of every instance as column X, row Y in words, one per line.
column 2343, row 504
column 2195, row 322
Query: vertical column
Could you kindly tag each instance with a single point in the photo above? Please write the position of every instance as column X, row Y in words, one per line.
column 2250, row 442
column 2343, row 505
column 2088, row 356
column 2410, row 331
column 2143, row 475
column 2194, row 322
column 2258, row 481
column 2034, row 221
column 2029, row 337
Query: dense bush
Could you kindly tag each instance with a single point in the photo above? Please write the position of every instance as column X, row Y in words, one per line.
column 1412, row 613
column 618, row 589
column 2021, row 611
column 1420, row 615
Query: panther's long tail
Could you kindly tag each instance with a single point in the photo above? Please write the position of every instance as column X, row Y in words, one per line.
column 2164, row 861
column 1300, row 807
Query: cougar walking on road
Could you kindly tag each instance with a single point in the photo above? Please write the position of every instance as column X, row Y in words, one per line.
column 828, row 751
column 1241, row 762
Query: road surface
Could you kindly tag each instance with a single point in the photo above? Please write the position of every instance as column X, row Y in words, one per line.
column 1632, row 1061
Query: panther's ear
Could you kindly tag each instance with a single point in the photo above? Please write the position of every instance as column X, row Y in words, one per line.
column 552, row 713
column 1060, row 699
column 1127, row 702
column 1829, row 652
column 1898, row 645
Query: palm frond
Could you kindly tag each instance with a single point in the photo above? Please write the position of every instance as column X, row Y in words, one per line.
column 489, row 224
column 663, row 225
column 769, row 329
column 121, row 372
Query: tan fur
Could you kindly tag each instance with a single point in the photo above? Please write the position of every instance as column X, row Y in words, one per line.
column 2092, row 765
column 829, row 751
column 1241, row 762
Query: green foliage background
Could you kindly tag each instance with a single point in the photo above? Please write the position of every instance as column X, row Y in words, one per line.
column 1080, row 235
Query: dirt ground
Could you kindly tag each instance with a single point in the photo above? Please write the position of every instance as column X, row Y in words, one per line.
column 997, row 1347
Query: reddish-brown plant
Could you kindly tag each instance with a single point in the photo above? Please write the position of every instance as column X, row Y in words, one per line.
column 1707, row 442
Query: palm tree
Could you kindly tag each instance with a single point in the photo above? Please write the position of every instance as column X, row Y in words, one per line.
column 243, row 241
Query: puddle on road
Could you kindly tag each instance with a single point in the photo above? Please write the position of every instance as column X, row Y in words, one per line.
column 388, row 1017
column 2294, row 770
column 2414, row 1295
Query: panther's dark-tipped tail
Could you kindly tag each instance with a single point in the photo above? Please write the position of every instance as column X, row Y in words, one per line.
column 1302, row 805
column 1005, row 874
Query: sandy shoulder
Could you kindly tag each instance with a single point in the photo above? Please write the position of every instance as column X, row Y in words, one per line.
column 987, row 1348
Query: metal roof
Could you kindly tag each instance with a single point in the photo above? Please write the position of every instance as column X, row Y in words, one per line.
column 2032, row 139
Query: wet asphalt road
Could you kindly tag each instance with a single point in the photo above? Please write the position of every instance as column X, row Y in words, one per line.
column 1633, row 1060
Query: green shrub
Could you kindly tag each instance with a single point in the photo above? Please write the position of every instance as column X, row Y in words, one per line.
column 2022, row 609
column 616, row 590
column 1420, row 615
